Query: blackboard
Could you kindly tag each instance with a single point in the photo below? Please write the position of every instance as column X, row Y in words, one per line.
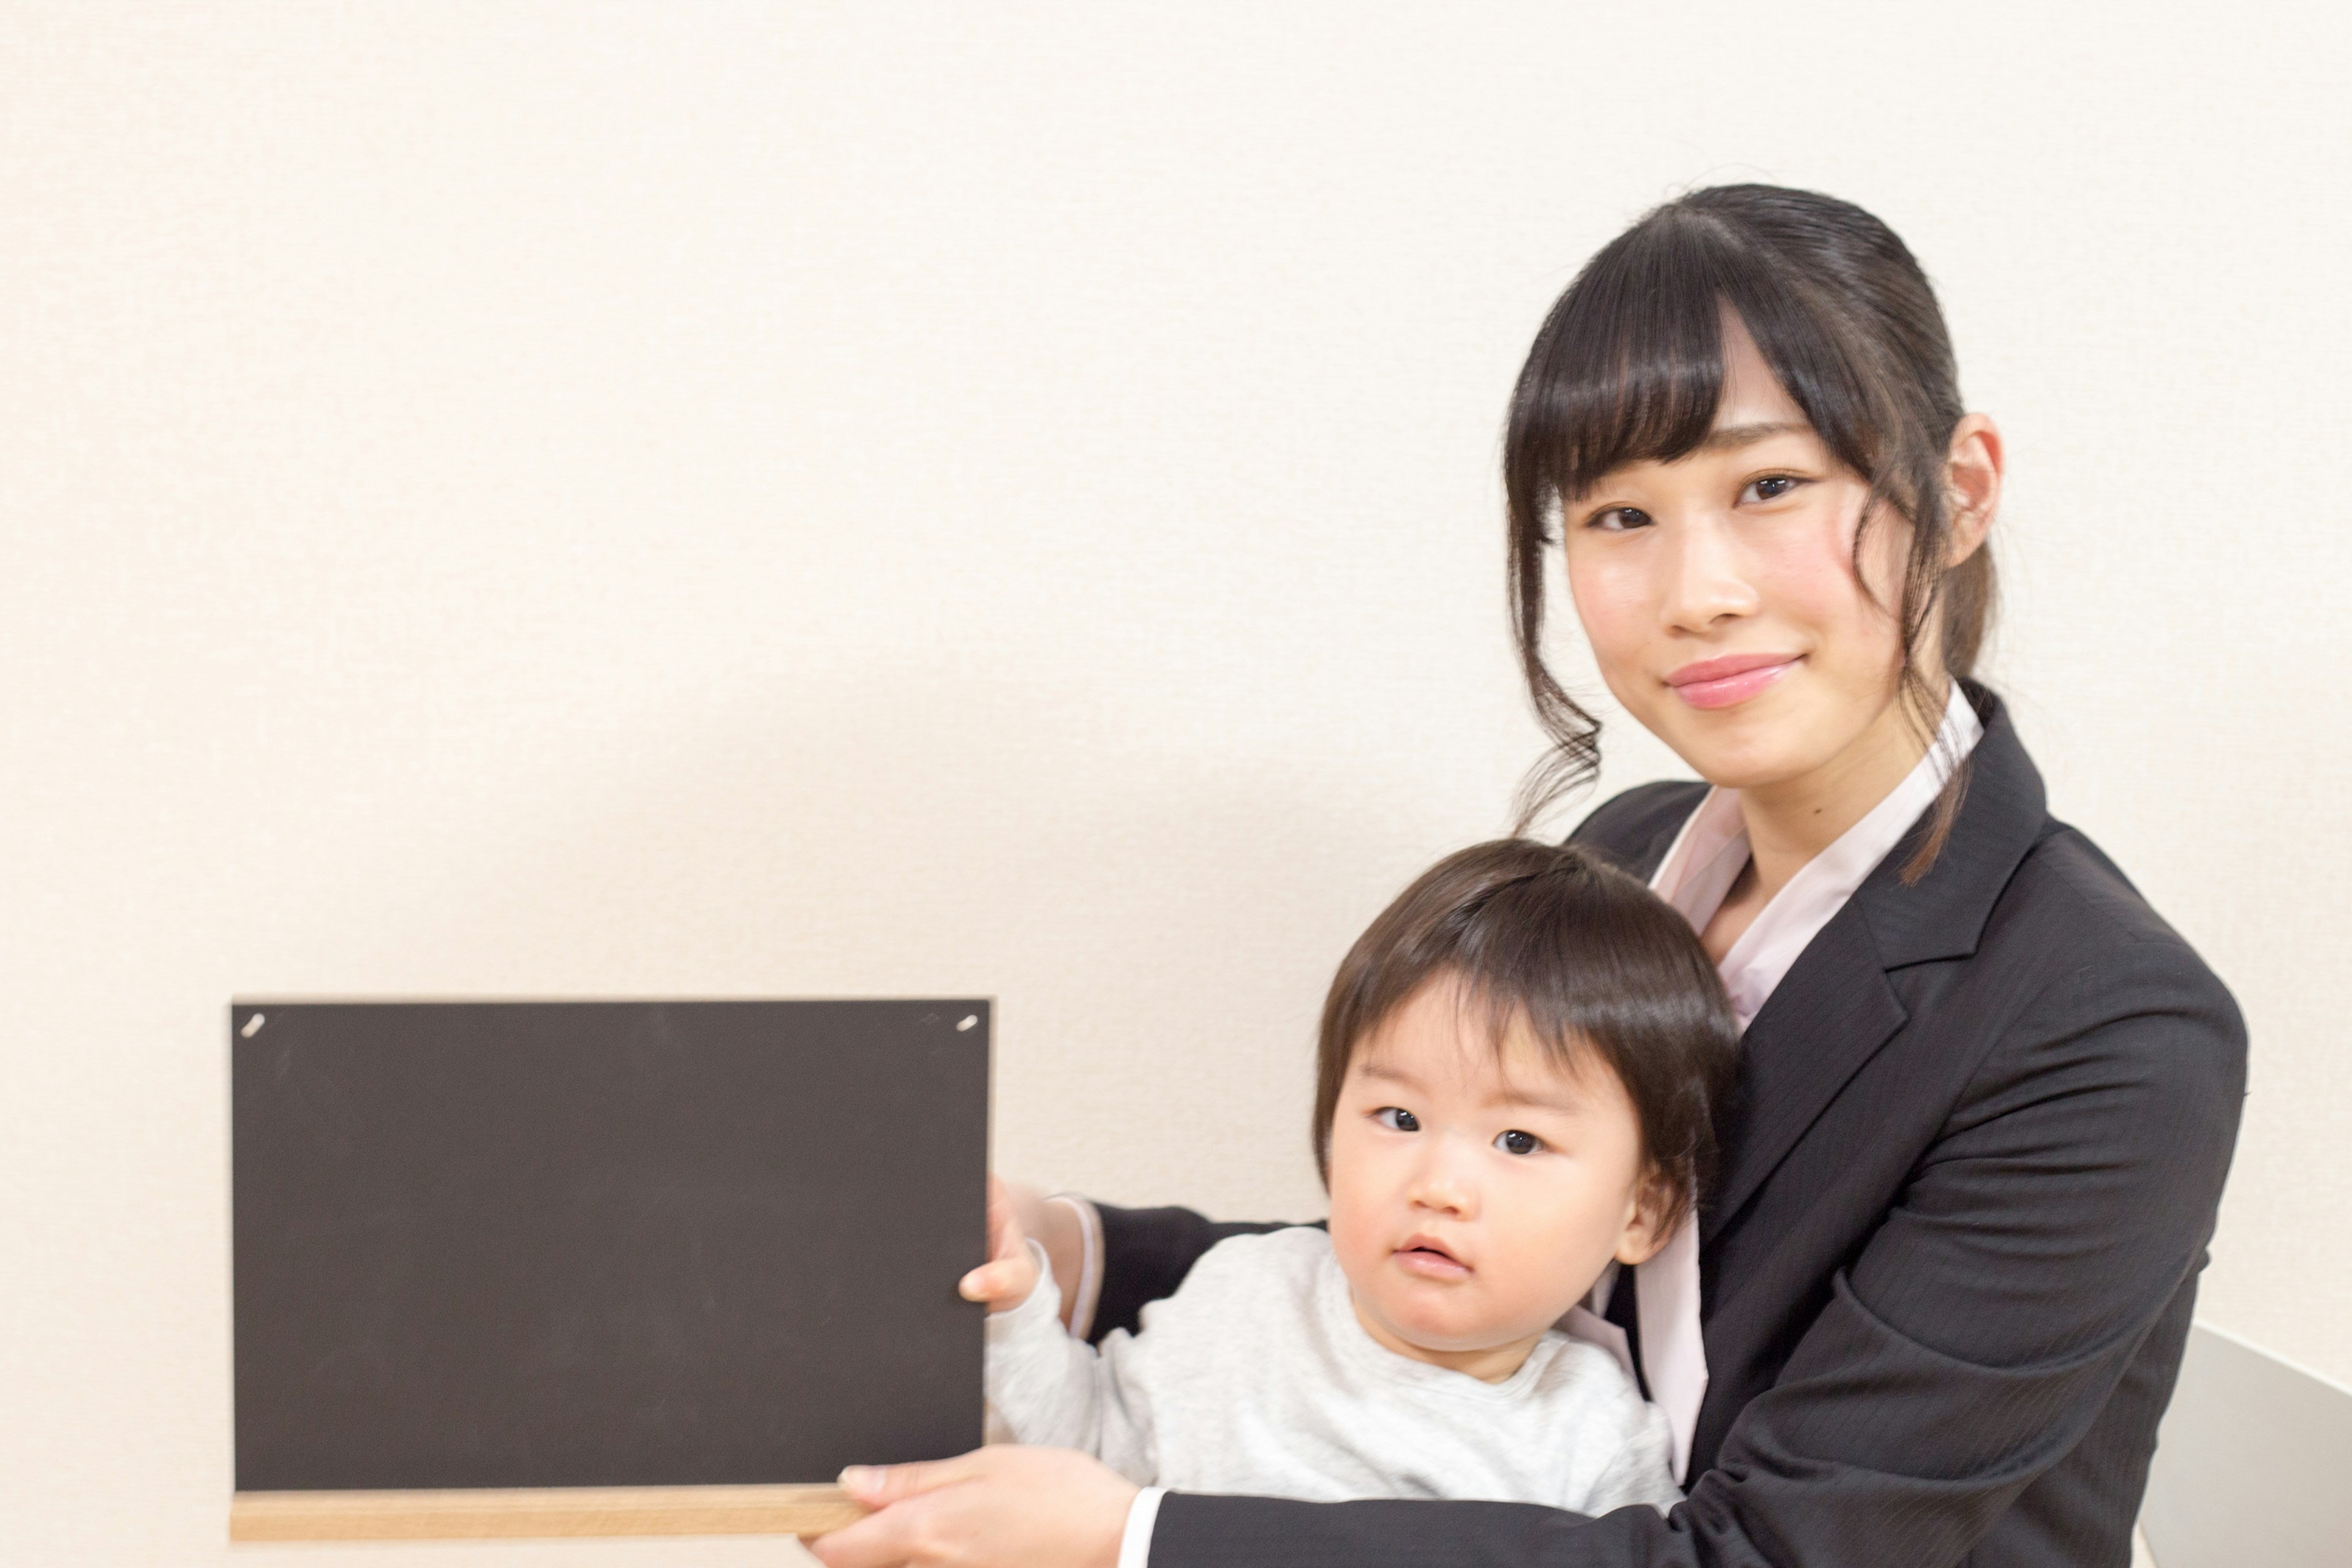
column 640, row 1244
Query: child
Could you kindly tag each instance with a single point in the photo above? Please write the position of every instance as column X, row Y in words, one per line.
column 1515, row 1073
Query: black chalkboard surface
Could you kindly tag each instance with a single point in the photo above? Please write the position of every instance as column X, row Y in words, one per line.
column 640, row 1244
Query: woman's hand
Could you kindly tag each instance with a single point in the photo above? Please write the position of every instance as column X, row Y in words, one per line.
column 1005, row 1280
column 999, row 1507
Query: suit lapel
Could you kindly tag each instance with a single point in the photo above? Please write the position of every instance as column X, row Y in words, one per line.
column 1830, row 1014
column 1835, row 1008
column 1635, row 829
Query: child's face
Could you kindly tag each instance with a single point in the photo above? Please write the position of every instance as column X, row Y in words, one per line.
column 1477, row 1194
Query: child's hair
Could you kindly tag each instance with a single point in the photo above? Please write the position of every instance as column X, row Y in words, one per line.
column 1630, row 365
column 1601, row 968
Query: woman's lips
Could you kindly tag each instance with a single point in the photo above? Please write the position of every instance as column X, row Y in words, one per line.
column 1734, row 678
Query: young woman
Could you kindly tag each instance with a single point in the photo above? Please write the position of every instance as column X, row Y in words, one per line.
column 1934, row 1307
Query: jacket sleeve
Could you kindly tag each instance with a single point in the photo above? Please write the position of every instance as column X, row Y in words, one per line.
column 1967, row 1349
column 1146, row 1254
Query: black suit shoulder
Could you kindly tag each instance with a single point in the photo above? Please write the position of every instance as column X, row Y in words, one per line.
column 2069, row 913
column 2079, row 988
column 2096, row 1073
column 1634, row 827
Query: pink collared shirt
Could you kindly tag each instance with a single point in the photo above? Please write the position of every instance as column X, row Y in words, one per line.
column 1703, row 861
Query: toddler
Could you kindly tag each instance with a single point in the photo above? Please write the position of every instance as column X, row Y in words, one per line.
column 1516, row 1073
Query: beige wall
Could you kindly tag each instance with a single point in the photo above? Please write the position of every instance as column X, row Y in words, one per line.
column 563, row 499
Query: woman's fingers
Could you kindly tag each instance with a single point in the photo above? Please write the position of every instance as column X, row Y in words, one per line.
column 878, row 1486
column 997, row 1508
column 884, row 1540
column 887, row 1538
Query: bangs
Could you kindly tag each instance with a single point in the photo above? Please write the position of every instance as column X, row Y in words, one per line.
column 1632, row 984
column 1629, row 367
column 1631, row 363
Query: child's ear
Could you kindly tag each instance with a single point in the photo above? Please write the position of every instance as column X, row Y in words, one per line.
column 1650, row 1220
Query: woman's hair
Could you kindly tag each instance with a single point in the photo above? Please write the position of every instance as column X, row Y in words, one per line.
column 1601, row 969
column 1629, row 367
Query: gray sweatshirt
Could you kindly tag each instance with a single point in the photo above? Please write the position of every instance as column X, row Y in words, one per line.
column 1256, row 1377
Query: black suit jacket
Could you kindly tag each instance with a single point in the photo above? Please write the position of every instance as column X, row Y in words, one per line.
column 1947, row 1272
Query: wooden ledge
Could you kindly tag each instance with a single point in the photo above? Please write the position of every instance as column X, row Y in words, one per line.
column 489, row 1514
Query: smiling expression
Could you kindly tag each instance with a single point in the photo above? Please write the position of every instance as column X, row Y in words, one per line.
column 1720, row 597
column 1476, row 1193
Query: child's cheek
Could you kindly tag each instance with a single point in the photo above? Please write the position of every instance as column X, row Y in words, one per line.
column 1544, row 1221
column 1355, row 1224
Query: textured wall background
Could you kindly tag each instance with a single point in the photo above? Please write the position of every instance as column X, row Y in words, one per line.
column 847, row 500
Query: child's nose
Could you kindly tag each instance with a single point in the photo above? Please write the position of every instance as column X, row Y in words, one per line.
column 1440, row 1185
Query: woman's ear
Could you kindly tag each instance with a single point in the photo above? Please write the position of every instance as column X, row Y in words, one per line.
column 1974, row 467
column 1650, row 1220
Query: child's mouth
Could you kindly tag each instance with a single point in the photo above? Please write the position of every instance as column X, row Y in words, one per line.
column 1428, row 1258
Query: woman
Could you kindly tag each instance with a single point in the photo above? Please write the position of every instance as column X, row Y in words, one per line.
column 1934, row 1306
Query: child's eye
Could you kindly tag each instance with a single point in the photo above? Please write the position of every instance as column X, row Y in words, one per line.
column 1516, row 1142
column 1396, row 1119
column 1771, row 487
column 1619, row 519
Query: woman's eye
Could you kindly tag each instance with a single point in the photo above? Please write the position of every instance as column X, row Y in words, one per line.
column 1518, row 1142
column 1396, row 1119
column 1619, row 519
column 1771, row 487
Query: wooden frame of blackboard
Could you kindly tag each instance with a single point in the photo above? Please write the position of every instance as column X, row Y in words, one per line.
column 506, row 1513
column 321, row 1507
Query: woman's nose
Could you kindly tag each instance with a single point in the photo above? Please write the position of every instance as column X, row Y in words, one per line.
column 1706, row 581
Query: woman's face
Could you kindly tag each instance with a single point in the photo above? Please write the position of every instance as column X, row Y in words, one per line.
column 1719, row 594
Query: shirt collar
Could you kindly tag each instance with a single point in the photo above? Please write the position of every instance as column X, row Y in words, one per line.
column 1712, row 849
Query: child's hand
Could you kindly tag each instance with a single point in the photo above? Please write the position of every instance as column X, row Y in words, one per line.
column 1005, row 1280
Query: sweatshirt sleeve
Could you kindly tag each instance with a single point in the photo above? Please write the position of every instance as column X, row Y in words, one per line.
column 1146, row 1256
column 1058, row 1391
column 1642, row 1472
